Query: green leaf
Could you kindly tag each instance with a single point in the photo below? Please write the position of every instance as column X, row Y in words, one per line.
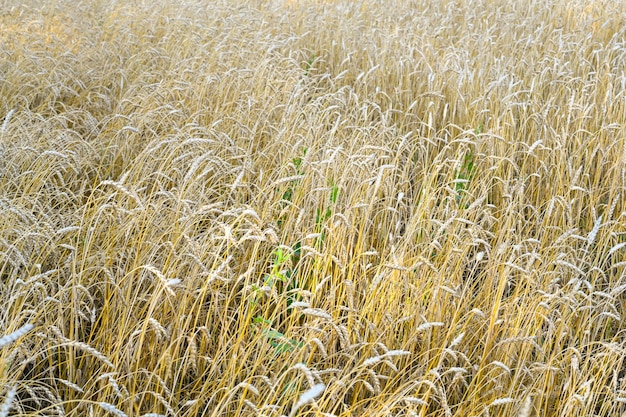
column 297, row 251
column 268, row 280
column 318, row 219
column 290, row 388
column 466, row 172
column 297, row 162
column 288, row 195
column 259, row 319
column 468, row 164
column 288, row 346
column 334, row 192
column 280, row 342
column 281, row 277
column 273, row 334
column 281, row 256
column 309, row 64
column 329, row 212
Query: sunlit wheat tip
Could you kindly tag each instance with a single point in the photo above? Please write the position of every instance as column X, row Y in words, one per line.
column 71, row 385
column 415, row 400
column 288, row 179
column 392, row 353
column 251, row 405
column 428, row 325
column 112, row 409
column 570, row 265
column 307, row 397
column 368, row 386
column 312, row 236
column 501, row 401
column 593, row 233
column 248, row 386
column 320, row 346
column 85, row 347
column 7, row 118
column 375, row 380
column 316, row 312
column 526, row 407
column 457, row 340
column 306, row 371
column 12, row 337
column 534, row 146
column 390, row 365
column 502, row 366
column 237, row 181
column 372, row 361
column 614, row 316
column 300, row 304
column 8, row 401
column 616, row 248
column 157, row 326
column 68, row 229
column 116, row 388
column 173, row 282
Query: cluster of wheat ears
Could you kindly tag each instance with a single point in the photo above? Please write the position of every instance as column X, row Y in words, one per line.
column 312, row 208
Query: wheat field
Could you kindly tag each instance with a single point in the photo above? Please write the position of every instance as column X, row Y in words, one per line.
column 313, row 208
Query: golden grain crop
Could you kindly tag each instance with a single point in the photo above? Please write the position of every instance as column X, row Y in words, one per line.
column 313, row 208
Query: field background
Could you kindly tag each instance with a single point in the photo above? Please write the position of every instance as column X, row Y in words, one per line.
column 313, row 208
